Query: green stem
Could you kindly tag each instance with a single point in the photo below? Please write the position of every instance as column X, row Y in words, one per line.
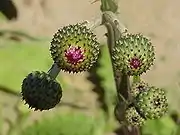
column 94, row 23
column 109, row 5
column 136, row 79
column 54, row 71
column 113, row 20
column 115, row 29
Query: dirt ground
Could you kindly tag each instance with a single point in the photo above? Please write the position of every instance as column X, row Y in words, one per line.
column 157, row 19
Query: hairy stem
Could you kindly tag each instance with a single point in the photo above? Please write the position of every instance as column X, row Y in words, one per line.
column 94, row 23
column 115, row 29
column 109, row 5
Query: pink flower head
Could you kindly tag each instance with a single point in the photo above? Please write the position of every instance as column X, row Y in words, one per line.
column 74, row 54
column 135, row 63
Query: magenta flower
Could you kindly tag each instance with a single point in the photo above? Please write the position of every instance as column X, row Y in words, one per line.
column 74, row 48
column 74, row 55
column 135, row 63
column 133, row 54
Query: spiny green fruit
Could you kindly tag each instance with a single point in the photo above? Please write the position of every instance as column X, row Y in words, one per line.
column 74, row 48
column 133, row 54
column 138, row 87
column 40, row 91
column 153, row 103
column 133, row 118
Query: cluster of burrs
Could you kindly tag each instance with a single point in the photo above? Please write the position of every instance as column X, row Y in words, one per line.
column 133, row 55
column 74, row 48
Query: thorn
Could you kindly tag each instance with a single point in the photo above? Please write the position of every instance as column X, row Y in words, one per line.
column 94, row 1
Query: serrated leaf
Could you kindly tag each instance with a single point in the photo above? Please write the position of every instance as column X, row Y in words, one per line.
column 106, row 70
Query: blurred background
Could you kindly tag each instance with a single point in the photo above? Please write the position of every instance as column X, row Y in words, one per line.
column 26, row 29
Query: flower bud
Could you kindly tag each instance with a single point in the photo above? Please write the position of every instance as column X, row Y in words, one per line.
column 153, row 103
column 41, row 92
column 138, row 87
column 74, row 48
column 133, row 117
column 133, row 54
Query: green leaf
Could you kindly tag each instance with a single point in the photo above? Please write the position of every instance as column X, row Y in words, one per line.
column 20, row 58
column 106, row 72
column 163, row 126
column 65, row 124
column 1, row 119
column 2, row 17
column 109, row 5
column 177, row 132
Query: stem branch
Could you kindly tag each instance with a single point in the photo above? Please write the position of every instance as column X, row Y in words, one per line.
column 114, row 30
column 54, row 71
